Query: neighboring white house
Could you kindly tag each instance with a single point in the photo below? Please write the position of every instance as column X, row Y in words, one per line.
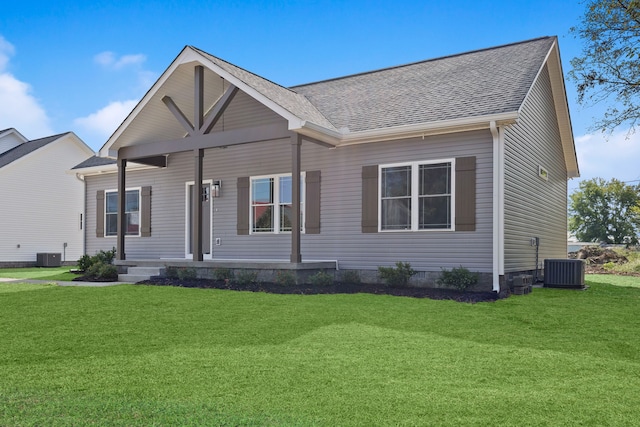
column 42, row 205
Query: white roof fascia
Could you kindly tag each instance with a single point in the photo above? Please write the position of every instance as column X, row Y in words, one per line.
column 410, row 131
column 104, row 169
column 15, row 131
column 562, row 112
column 318, row 132
column 80, row 143
column 552, row 60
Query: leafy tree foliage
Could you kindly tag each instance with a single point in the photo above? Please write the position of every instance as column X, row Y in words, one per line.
column 602, row 211
column 609, row 68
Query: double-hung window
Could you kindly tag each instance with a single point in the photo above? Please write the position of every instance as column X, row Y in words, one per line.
column 271, row 204
column 131, row 212
column 417, row 196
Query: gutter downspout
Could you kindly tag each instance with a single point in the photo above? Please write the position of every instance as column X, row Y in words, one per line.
column 498, row 204
column 80, row 177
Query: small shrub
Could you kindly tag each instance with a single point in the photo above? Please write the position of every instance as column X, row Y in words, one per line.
column 246, row 277
column 84, row 262
column 285, row 278
column 398, row 276
column 608, row 265
column 106, row 257
column 187, row 273
column 103, row 257
column 101, row 271
column 321, row 279
column 171, row 272
column 223, row 273
column 459, row 278
column 108, row 272
column 350, row 276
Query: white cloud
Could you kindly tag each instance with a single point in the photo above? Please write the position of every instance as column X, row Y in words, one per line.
column 20, row 109
column 608, row 156
column 6, row 51
column 105, row 121
column 109, row 60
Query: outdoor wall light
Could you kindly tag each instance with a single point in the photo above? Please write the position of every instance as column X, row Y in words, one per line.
column 216, row 188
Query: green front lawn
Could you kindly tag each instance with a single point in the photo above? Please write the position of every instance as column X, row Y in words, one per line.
column 38, row 273
column 143, row 355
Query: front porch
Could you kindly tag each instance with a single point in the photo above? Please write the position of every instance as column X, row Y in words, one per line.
column 265, row 270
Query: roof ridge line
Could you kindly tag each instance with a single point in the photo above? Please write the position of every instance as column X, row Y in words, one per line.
column 363, row 73
column 47, row 137
column 244, row 69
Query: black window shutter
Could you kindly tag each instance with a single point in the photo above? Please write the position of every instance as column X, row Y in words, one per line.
column 370, row 199
column 465, row 194
column 100, row 213
column 242, row 225
column 145, row 212
column 312, row 203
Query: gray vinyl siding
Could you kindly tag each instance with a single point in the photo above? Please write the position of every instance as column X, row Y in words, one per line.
column 41, row 203
column 245, row 111
column 535, row 207
column 340, row 235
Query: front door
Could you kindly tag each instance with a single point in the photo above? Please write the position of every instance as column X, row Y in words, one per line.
column 206, row 205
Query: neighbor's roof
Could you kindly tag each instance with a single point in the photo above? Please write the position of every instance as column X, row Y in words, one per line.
column 27, row 148
column 94, row 161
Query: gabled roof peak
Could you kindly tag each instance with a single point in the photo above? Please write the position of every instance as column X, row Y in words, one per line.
column 202, row 52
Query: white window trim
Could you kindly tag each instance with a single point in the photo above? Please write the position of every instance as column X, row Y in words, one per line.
column 139, row 212
column 187, row 249
column 415, row 181
column 276, row 203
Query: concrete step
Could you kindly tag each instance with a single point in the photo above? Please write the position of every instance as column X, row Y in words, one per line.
column 132, row 278
column 138, row 274
column 143, row 271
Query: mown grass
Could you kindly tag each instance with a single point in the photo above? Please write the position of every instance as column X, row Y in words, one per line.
column 38, row 273
column 616, row 280
column 141, row 355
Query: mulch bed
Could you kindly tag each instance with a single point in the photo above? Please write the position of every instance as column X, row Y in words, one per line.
column 336, row 288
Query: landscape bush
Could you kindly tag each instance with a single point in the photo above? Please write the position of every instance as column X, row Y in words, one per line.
column 350, row 276
column 223, row 273
column 187, row 273
column 397, row 276
column 285, row 278
column 99, row 266
column 321, row 279
column 459, row 278
column 246, row 277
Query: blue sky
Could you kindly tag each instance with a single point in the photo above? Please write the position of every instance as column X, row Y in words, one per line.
column 81, row 66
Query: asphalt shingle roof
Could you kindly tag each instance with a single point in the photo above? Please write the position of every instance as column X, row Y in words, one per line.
column 488, row 81
column 95, row 161
column 26, row 148
column 289, row 100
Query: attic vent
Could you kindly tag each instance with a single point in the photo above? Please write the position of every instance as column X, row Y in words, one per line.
column 564, row 273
